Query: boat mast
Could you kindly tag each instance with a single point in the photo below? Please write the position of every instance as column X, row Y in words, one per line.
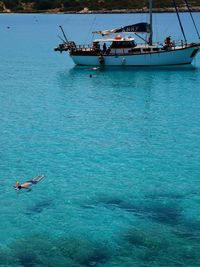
column 179, row 20
column 186, row 2
column 150, row 23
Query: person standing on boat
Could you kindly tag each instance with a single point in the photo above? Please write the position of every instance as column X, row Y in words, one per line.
column 95, row 46
column 168, row 42
column 104, row 48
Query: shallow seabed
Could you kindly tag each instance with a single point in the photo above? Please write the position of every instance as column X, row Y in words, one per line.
column 120, row 152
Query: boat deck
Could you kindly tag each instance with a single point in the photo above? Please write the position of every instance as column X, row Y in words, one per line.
column 139, row 49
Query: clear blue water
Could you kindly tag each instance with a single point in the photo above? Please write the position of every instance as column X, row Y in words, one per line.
column 120, row 151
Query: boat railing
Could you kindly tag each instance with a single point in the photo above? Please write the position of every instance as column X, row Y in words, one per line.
column 181, row 43
column 141, row 48
column 84, row 48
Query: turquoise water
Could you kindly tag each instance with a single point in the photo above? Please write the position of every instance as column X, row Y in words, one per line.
column 120, row 152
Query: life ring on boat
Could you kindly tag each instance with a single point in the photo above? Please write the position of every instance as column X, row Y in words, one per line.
column 118, row 37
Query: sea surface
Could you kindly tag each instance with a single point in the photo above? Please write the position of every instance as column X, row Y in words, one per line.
column 120, row 150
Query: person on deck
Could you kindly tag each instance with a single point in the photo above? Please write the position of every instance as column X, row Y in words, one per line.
column 104, row 48
column 95, row 46
column 168, row 42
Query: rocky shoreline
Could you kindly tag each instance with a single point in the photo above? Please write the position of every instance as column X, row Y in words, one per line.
column 116, row 11
column 143, row 10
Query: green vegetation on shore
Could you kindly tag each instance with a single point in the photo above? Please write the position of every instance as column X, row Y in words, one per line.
column 86, row 5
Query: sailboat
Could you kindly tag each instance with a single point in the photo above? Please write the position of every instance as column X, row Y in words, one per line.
column 115, row 49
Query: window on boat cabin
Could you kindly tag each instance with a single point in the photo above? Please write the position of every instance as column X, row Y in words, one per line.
column 146, row 49
column 156, row 49
column 123, row 44
column 135, row 51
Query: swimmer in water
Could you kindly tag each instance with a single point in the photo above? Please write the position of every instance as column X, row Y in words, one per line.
column 27, row 184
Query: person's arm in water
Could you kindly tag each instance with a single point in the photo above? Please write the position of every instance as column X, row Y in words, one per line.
column 28, row 189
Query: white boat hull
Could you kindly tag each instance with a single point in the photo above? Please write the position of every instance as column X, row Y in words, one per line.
column 163, row 58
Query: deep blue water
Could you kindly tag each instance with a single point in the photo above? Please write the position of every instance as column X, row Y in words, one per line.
column 120, row 151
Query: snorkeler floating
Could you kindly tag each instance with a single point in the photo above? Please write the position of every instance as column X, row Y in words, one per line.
column 27, row 184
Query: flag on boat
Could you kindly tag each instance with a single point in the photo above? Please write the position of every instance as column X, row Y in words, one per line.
column 142, row 27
